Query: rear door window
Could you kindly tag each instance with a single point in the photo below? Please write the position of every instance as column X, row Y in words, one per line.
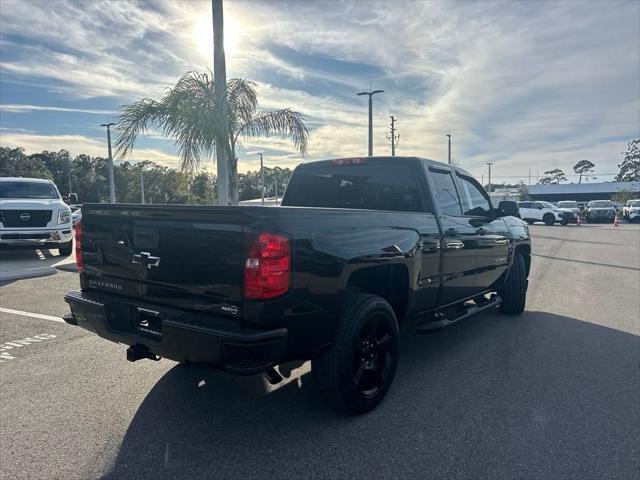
column 369, row 186
column 445, row 192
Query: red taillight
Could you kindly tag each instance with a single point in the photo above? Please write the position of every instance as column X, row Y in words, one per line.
column 79, row 262
column 266, row 270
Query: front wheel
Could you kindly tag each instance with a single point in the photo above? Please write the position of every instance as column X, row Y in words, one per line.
column 549, row 219
column 66, row 249
column 514, row 292
column 355, row 373
column 564, row 222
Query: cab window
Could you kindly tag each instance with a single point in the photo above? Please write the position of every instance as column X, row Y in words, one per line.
column 475, row 202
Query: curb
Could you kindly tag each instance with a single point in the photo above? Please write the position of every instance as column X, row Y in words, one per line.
column 67, row 267
column 29, row 273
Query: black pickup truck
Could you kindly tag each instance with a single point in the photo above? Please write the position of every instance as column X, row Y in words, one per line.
column 360, row 248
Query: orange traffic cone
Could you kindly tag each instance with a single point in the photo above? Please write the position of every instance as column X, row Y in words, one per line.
column 616, row 221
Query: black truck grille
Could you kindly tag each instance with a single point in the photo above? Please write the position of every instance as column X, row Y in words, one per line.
column 25, row 218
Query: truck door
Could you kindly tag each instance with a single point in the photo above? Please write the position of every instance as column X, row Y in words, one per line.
column 493, row 246
column 458, row 267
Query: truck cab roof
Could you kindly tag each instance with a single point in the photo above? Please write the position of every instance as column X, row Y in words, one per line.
column 382, row 159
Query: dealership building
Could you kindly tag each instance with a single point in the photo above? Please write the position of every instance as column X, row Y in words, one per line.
column 581, row 192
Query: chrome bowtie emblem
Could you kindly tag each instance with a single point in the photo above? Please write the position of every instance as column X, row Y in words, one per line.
column 25, row 217
column 145, row 258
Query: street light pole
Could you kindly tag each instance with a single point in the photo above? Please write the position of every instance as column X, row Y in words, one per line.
column 371, row 94
column 449, row 136
column 142, row 184
column 489, row 165
column 112, row 187
column 261, row 179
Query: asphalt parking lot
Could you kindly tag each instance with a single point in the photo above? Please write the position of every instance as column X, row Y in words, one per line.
column 550, row 395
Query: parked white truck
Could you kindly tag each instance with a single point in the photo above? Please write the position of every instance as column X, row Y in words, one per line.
column 33, row 214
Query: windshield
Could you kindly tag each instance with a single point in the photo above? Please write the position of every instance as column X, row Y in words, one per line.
column 568, row 204
column 28, row 190
column 601, row 204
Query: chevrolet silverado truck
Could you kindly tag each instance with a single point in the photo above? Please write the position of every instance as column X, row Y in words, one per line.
column 359, row 249
column 33, row 215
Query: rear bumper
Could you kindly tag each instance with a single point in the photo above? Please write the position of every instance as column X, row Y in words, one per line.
column 185, row 336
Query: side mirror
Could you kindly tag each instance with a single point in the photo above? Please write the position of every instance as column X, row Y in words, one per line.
column 509, row 209
column 72, row 198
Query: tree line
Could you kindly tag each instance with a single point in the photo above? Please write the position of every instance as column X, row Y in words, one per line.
column 629, row 168
column 88, row 177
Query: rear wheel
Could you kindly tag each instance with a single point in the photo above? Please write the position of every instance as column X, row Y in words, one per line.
column 548, row 219
column 354, row 374
column 66, row 249
column 514, row 292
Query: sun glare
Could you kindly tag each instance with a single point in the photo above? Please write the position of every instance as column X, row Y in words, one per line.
column 203, row 36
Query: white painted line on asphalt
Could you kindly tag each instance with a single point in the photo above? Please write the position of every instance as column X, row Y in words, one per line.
column 32, row 315
column 4, row 355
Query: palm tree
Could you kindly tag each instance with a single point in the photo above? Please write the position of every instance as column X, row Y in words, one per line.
column 189, row 114
column 220, row 72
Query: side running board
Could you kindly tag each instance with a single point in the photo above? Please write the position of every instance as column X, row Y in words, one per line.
column 442, row 320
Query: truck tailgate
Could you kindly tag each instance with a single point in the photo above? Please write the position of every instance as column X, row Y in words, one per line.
column 185, row 256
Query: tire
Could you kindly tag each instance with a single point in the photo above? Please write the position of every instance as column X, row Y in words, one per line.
column 66, row 249
column 514, row 292
column 530, row 222
column 564, row 222
column 355, row 373
column 548, row 219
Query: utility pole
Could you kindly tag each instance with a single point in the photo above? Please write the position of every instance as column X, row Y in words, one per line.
column 394, row 137
column 276, row 183
column 489, row 164
column 529, row 175
column 69, row 173
column 449, row 156
column 371, row 94
column 142, row 184
column 261, row 179
column 112, row 187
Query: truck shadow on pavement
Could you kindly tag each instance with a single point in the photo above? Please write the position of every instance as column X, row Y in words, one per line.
column 537, row 396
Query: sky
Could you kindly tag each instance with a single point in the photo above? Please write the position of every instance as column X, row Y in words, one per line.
column 528, row 86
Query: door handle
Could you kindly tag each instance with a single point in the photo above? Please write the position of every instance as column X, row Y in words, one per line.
column 453, row 245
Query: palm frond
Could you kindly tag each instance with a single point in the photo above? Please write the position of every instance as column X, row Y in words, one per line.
column 134, row 120
column 284, row 122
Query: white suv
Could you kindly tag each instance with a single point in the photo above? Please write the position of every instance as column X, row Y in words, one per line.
column 544, row 212
column 631, row 211
column 32, row 213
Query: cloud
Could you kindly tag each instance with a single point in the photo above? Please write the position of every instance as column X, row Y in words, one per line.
column 516, row 83
column 21, row 108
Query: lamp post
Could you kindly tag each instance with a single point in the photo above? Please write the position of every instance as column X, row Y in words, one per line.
column 449, row 136
column 112, row 187
column 371, row 94
column 261, row 179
